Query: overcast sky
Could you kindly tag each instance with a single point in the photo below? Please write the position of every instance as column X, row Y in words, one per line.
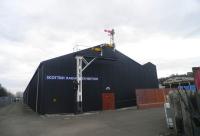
column 164, row 32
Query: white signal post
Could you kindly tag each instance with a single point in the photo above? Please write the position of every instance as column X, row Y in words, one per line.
column 80, row 60
column 79, row 70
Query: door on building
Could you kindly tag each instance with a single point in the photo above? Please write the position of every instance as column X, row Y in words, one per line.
column 108, row 101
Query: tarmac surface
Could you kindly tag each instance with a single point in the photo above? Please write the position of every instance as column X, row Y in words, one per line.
column 19, row 120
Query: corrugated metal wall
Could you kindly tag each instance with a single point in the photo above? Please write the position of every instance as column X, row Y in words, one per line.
column 117, row 71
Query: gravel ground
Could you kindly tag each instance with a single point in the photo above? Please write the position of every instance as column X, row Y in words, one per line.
column 18, row 120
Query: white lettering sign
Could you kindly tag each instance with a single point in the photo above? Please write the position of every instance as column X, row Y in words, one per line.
column 70, row 78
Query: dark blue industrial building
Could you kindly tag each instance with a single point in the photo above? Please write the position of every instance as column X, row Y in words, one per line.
column 52, row 89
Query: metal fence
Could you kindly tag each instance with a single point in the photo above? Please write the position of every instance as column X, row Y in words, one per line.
column 5, row 101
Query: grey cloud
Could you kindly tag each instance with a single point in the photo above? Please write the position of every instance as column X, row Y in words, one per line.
column 177, row 66
column 14, row 85
column 172, row 17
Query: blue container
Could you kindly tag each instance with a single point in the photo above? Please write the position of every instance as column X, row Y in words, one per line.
column 188, row 88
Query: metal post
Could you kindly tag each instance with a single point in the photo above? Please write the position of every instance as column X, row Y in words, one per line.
column 111, row 34
column 27, row 96
column 112, row 39
column 79, row 82
column 79, row 71
column 36, row 104
column 189, row 86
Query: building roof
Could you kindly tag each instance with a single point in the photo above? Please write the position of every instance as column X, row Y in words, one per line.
column 178, row 79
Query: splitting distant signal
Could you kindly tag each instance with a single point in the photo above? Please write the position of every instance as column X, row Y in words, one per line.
column 111, row 33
